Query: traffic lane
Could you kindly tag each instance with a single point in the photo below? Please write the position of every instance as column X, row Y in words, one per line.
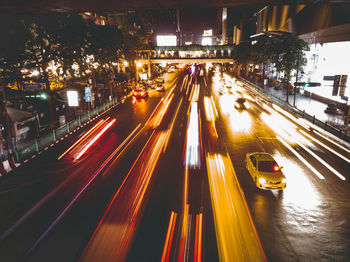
column 308, row 134
column 73, row 245
column 264, row 142
column 24, row 195
column 166, row 204
column 80, row 175
column 164, row 126
column 73, row 232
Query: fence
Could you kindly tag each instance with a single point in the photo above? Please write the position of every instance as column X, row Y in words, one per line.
column 25, row 150
column 335, row 131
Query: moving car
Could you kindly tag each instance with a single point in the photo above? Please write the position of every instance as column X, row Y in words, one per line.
column 140, row 93
column 240, row 103
column 265, row 172
column 159, row 79
column 160, row 87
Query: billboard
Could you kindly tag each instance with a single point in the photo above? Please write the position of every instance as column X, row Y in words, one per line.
column 206, row 40
column 166, row 40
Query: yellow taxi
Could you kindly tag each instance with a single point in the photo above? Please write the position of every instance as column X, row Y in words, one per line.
column 265, row 172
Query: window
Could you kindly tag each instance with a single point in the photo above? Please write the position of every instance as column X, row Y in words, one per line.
column 253, row 159
column 268, row 166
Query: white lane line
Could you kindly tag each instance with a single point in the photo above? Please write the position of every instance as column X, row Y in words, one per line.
column 318, row 174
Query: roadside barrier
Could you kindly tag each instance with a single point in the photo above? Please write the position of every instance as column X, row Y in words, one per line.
column 23, row 152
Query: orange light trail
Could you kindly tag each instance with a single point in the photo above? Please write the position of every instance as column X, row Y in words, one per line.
column 183, row 234
column 84, row 136
column 169, row 237
column 95, row 138
column 198, row 240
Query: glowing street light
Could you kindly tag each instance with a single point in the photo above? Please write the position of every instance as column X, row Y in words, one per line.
column 139, row 64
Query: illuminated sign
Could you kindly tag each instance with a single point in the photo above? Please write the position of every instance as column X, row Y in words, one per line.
column 166, row 40
column 72, row 98
column 207, row 40
column 208, row 32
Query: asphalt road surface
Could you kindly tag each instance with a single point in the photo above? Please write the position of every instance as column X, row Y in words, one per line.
column 164, row 179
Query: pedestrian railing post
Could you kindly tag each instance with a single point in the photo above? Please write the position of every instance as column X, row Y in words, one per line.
column 303, row 113
column 313, row 119
column 67, row 126
column 325, row 126
column 89, row 114
column 79, row 120
column 54, row 134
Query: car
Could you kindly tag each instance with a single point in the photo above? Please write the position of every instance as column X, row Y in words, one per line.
column 160, row 88
column 140, row 93
column 159, row 79
column 265, row 171
column 240, row 103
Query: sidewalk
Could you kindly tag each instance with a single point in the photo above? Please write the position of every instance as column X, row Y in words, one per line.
column 311, row 106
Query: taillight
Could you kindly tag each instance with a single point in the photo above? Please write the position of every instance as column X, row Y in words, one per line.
column 276, row 168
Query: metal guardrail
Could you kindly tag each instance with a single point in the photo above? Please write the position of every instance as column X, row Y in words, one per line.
column 301, row 113
column 24, row 150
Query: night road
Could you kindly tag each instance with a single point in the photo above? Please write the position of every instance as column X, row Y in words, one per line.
column 163, row 178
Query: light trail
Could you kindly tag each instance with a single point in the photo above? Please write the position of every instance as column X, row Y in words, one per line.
column 112, row 238
column 327, row 147
column 198, row 238
column 169, row 238
column 318, row 174
column 320, row 160
column 172, row 124
column 333, row 142
column 86, row 147
column 236, row 237
column 160, row 115
column 193, row 158
column 99, row 123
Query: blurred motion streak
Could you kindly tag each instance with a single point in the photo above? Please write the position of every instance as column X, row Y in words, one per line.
column 328, row 148
column 169, row 237
column 211, row 115
column 172, row 124
column 113, row 236
column 318, row 174
column 330, row 140
column 239, row 121
column 198, row 240
column 298, row 138
column 236, row 237
column 163, row 109
column 80, row 140
column 193, row 153
column 92, row 141
column 184, row 233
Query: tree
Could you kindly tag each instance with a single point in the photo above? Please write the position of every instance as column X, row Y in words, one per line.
column 242, row 55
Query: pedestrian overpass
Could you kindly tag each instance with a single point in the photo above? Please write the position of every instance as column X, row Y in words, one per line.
column 187, row 54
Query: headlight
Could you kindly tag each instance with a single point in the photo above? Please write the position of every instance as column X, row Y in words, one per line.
column 262, row 180
column 284, row 180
